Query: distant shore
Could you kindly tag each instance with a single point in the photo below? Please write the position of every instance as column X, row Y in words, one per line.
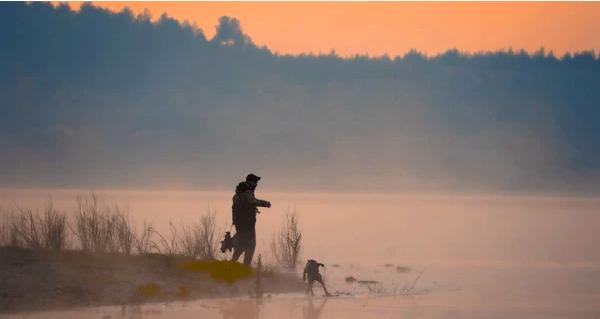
column 35, row 280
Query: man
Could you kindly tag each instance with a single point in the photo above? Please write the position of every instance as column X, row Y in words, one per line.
column 244, row 210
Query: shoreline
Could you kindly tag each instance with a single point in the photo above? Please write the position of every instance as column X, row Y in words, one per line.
column 41, row 280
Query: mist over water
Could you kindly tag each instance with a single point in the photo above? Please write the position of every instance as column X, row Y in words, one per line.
column 118, row 100
column 382, row 228
column 489, row 256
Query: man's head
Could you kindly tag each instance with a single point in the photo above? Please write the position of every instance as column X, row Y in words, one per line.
column 252, row 180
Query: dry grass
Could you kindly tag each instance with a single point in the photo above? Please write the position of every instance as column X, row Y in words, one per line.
column 208, row 239
column 166, row 245
column 94, row 225
column 201, row 240
column 8, row 229
column 27, row 228
column 287, row 243
column 142, row 239
column 123, row 235
column 54, row 228
column 24, row 227
column 4, row 229
column 189, row 240
column 100, row 228
column 197, row 240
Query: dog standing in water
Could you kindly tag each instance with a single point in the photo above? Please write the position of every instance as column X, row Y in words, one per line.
column 311, row 272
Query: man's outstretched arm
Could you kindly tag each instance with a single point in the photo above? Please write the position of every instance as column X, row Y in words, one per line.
column 255, row 201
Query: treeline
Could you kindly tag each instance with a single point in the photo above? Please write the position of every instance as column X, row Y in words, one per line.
column 98, row 98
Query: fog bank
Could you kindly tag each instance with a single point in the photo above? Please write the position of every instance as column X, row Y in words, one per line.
column 93, row 99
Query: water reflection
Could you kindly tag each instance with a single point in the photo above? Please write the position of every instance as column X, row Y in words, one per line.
column 310, row 311
column 138, row 311
column 252, row 308
column 131, row 312
column 242, row 309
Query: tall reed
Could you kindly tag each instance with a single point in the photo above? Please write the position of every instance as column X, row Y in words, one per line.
column 25, row 227
column 201, row 240
column 99, row 228
column 286, row 245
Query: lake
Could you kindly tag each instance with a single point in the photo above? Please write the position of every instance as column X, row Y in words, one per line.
column 432, row 255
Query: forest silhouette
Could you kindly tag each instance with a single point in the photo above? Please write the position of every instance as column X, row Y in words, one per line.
column 95, row 98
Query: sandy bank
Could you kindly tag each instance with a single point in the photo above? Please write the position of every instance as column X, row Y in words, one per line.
column 42, row 279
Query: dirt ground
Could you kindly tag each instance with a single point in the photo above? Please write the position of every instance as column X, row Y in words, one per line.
column 40, row 280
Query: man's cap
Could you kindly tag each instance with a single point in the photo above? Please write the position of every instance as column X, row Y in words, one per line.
column 252, row 178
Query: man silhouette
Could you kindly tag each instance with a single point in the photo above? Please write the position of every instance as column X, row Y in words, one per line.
column 244, row 210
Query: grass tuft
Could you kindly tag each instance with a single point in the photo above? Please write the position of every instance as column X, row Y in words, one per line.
column 286, row 245
column 98, row 228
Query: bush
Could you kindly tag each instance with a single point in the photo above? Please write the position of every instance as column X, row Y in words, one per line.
column 287, row 243
column 4, row 229
column 54, row 228
column 201, row 240
column 142, row 239
column 208, row 240
column 123, row 234
column 26, row 228
column 101, row 228
column 165, row 245
column 9, row 232
column 12, row 231
column 91, row 225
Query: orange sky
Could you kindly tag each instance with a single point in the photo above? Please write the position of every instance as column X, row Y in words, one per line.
column 394, row 28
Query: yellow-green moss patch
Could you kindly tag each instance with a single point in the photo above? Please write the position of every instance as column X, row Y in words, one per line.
column 219, row 270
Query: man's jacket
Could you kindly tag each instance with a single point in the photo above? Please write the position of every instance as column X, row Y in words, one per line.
column 244, row 207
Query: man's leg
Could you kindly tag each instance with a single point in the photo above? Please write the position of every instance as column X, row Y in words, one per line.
column 250, row 246
column 239, row 245
column 237, row 252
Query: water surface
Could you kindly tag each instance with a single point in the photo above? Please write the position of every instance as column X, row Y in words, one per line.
column 480, row 256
